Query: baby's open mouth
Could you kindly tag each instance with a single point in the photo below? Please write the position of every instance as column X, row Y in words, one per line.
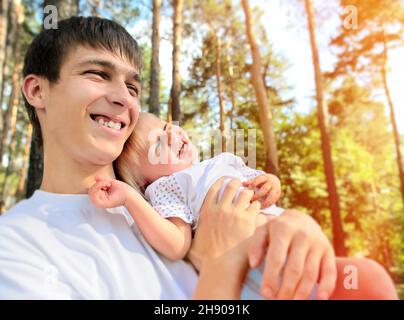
column 107, row 122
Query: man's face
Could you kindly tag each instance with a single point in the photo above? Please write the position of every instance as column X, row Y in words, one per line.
column 91, row 111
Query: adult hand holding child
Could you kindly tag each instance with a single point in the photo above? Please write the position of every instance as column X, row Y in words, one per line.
column 226, row 239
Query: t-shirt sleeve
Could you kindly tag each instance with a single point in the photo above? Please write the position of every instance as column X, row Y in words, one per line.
column 26, row 275
column 168, row 199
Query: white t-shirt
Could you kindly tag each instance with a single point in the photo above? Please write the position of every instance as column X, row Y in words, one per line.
column 55, row 246
column 182, row 194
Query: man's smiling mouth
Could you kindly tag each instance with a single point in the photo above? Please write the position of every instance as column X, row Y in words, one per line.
column 108, row 122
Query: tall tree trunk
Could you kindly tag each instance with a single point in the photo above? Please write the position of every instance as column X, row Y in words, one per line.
column 3, row 38
column 177, row 39
column 14, row 101
column 154, row 101
column 220, row 93
column 66, row 9
column 11, row 115
column 265, row 113
column 392, row 118
column 231, row 84
column 218, row 70
column 25, row 158
column 333, row 198
column 15, row 19
column 5, row 71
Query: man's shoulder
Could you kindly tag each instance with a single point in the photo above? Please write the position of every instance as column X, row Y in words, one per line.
column 19, row 215
column 25, row 205
column 20, row 228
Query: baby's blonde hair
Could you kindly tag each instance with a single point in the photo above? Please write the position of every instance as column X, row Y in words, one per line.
column 128, row 165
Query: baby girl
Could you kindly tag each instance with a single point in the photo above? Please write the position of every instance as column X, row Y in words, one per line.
column 160, row 162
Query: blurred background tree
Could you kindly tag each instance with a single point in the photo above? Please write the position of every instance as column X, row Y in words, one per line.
column 212, row 69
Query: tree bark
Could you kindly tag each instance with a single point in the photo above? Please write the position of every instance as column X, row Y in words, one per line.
column 392, row 118
column 220, row 94
column 14, row 101
column 265, row 113
column 25, row 158
column 66, row 9
column 3, row 38
column 231, row 85
column 15, row 18
column 177, row 39
column 154, row 101
column 333, row 197
column 11, row 29
column 218, row 64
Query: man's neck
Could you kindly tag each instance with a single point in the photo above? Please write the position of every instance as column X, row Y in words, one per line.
column 71, row 177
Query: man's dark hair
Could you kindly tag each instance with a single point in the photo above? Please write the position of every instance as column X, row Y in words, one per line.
column 48, row 50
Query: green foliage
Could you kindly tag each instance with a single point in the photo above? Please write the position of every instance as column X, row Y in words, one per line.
column 360, row 47
column 362, row 145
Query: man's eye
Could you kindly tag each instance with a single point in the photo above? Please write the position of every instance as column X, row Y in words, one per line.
column 134, row 91
column 101, row 74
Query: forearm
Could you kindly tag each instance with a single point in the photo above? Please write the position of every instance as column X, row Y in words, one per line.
column 163, row 235
column 220, row 278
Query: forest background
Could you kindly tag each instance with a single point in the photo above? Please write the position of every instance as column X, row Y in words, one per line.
column 319, row 84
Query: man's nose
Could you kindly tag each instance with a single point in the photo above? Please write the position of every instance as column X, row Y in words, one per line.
column 120, row 96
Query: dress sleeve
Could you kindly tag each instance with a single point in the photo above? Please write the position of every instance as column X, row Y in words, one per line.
column 247, row 172
column 168, row 199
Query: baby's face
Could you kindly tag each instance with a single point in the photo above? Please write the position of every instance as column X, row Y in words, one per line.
column 168, row 148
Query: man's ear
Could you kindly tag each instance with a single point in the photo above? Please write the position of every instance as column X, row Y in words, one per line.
column 33, row 89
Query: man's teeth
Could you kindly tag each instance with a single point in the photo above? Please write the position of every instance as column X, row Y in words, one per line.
column 111, row 124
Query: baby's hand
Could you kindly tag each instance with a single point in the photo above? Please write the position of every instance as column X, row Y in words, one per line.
column 108, row 193
column 267, row 189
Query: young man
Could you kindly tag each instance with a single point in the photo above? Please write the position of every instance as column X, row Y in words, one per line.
column 57, row 245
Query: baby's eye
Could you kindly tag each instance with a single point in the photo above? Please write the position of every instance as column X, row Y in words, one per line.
column 158, row 145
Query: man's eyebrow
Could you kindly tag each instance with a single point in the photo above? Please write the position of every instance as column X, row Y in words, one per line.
column 108, row 64
column 100, row 62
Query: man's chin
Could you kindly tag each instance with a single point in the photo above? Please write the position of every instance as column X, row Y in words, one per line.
column 107, row 157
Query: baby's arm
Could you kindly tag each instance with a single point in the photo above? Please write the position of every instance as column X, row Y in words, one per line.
column 267, row 189
column 171, row 237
